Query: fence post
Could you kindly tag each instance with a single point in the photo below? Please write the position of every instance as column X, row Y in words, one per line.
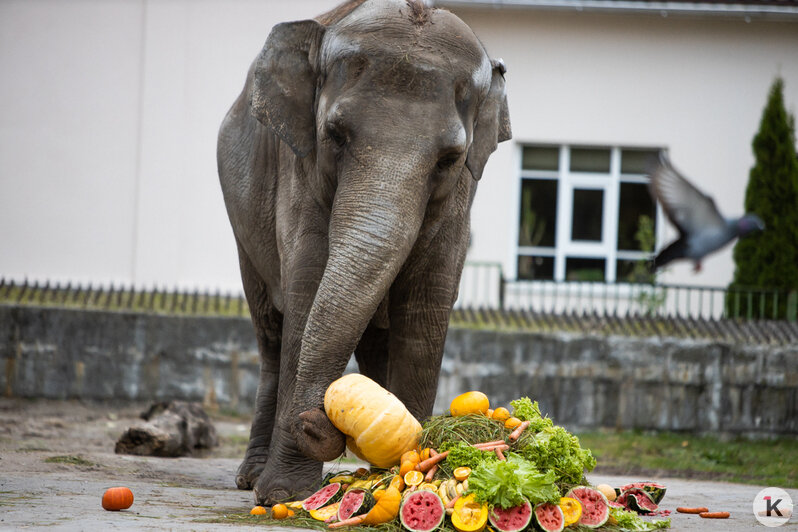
column 502, row 283
column 792, row 306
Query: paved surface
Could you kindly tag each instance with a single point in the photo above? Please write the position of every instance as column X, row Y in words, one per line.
column 198, row 493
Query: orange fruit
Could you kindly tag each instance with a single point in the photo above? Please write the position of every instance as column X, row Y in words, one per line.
column 424, row 454
column 279, row 511
column 410, row 456
column 414, row 478
column 461, row 473
column 407, row 466
column 258, row 510
column 489, row 412
column 501, row 414
column 511, row 422
column 291, row 513
column 397, row 482
column 571, row 510
column 472, row 402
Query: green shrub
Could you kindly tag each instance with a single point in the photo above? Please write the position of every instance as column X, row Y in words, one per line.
column 769, row 259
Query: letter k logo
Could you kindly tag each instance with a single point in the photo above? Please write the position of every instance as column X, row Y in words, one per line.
column 772, row 506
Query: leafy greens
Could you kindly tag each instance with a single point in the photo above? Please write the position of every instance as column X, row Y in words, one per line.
column 506, row 483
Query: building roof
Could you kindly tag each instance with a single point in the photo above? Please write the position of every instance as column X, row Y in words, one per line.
column 749, row 8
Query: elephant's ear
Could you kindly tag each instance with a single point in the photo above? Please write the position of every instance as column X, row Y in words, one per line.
column 284, row 83
column 492, row 124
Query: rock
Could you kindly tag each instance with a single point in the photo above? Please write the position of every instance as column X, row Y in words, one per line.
column 170, row 428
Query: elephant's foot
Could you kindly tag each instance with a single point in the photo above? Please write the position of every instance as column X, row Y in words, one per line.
column 316, row 436
column 251, row 468
column 248, row 472
column 294, row 480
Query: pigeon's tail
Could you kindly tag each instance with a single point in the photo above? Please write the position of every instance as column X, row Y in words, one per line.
column 672, row 252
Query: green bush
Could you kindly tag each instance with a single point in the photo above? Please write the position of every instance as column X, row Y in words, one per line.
column 769, row 260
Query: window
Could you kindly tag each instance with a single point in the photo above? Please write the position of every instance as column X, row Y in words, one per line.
column 585, row 214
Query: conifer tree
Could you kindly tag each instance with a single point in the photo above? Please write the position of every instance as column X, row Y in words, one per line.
column 770, row 259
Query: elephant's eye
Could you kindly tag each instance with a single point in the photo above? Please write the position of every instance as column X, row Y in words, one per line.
column 336, row 135
column 448, row 160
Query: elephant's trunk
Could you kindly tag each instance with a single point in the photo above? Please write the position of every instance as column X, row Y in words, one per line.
column 374, row 222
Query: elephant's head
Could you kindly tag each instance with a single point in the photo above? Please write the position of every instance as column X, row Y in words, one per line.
column 394, row 109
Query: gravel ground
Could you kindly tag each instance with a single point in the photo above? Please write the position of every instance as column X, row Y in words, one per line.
column 199, row 493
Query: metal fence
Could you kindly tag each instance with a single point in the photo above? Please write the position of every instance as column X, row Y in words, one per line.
column 120, row 298
column 483, row 285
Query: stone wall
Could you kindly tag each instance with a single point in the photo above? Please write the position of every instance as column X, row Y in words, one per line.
column 580, row 381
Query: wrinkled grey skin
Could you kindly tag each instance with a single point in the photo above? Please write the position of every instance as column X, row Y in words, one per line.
column 348, row 165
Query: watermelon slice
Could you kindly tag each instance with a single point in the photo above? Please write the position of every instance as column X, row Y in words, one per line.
column 512, row 519
column 355, row 502
column 549, row 517
column 595, row 508
column 421, row 511
column 326, row 495
column 657, row 491
column 638, row 500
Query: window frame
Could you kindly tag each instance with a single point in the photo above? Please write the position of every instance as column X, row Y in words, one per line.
column 568, row 181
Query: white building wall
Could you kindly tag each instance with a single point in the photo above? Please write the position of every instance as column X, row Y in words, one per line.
column 694, row 85
column 110, row 111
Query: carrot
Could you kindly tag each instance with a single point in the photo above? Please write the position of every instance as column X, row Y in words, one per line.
column 514, row 435
column 489, row 444
column 431, row 473
column 450, row 504
column 683, row 510
column 499, row 453
column 714, row 515
column 348, row 522
column 431, row 461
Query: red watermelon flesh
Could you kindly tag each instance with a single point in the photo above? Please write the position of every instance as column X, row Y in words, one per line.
column 355, row 502
column 511, row 519
column 595, row 510
column 657, row 491
column 322, row 497
column 639, row 500
column 549, row 517
column 422, row 511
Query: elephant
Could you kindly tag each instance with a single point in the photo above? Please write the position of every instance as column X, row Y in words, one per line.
column 348, row 166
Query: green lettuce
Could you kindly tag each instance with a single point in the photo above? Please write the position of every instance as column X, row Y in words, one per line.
column 627, row 520
column 527, row 410
column 463, row 454
column 505, row 483
column 555, row 449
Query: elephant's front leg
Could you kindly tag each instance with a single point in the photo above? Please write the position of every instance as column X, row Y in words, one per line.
column 292, row 472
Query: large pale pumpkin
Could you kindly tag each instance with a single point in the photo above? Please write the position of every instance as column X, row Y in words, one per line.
column 378, row 426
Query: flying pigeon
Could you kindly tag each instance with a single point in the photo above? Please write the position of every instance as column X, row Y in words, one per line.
column 702, row 229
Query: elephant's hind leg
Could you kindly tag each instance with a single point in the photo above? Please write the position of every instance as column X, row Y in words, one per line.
column 268, row 324
column 372, row 354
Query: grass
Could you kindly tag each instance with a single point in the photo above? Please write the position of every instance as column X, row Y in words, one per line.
column 762, row 462
column 70, row 460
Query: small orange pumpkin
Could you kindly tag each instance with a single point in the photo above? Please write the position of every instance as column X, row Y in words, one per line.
column 386, row 509
column 119, row 498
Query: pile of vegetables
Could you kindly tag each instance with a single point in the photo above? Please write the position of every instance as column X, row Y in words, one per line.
column 509, row 469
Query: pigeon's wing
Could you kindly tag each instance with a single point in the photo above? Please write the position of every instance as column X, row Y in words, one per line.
column 689, row 209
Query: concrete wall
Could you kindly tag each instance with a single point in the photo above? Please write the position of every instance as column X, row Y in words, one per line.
column 581, row 382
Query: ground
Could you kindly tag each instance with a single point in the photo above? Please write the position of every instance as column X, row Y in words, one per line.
column 57, row 459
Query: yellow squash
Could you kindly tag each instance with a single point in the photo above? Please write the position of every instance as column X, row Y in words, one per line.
column 469, row 515
column 378, row 427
